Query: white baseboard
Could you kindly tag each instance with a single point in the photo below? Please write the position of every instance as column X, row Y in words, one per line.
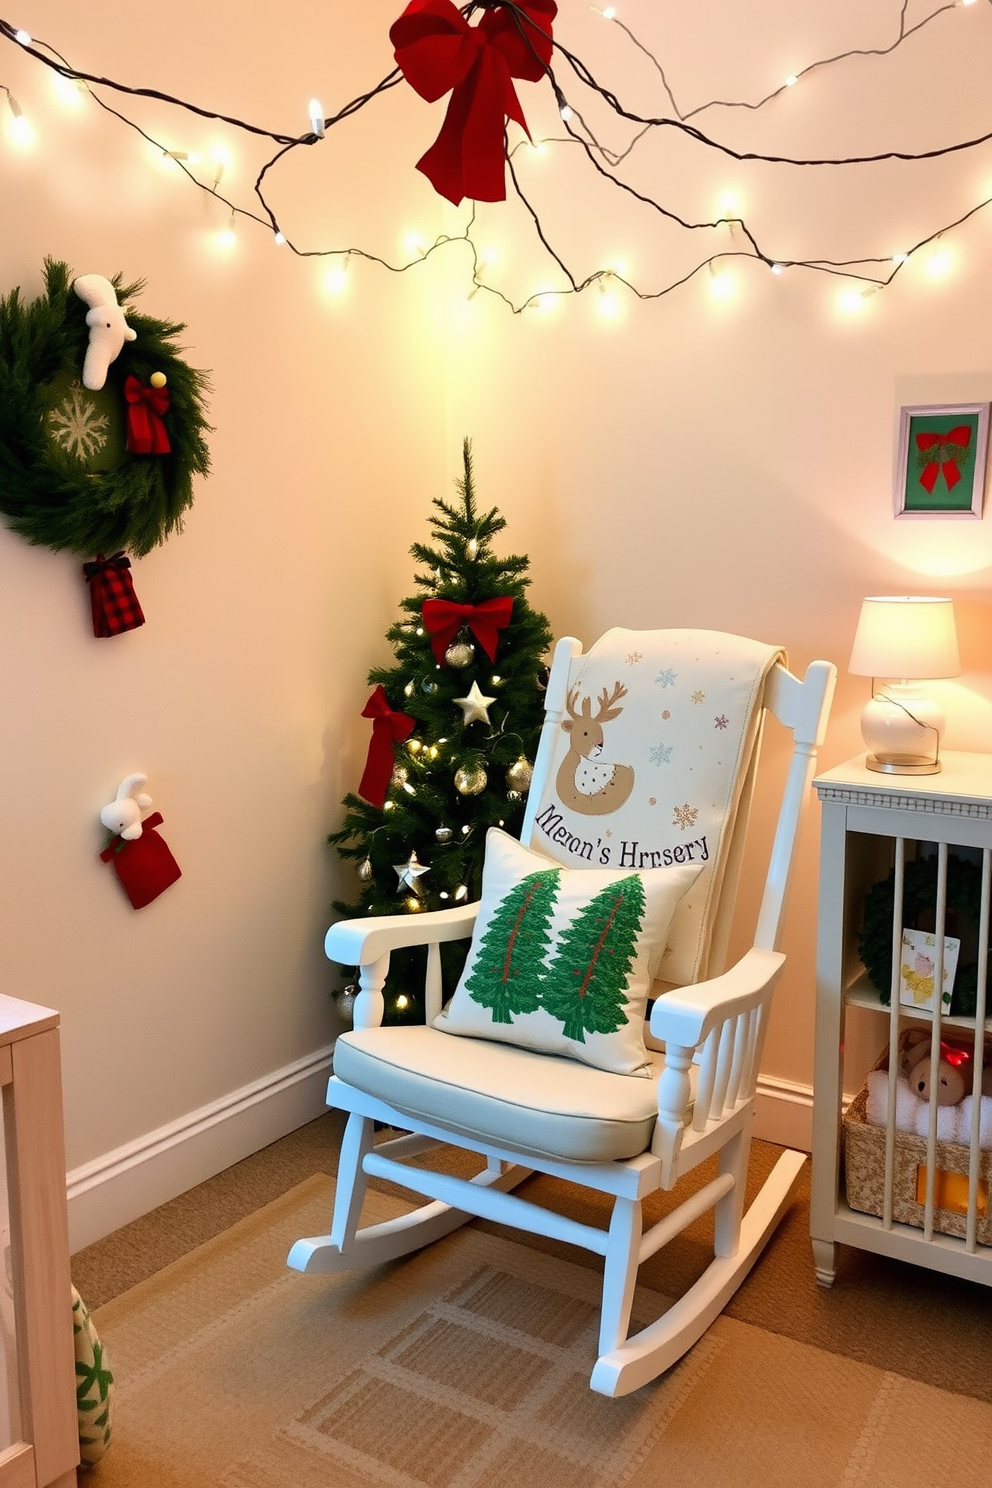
column 123, row 1184
column 784, row 1113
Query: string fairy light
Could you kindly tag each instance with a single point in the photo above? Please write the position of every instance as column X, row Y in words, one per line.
column 869, row 272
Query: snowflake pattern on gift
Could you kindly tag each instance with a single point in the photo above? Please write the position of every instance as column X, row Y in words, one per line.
column 77, row 426
column 667, row 677
column 699, row 695
column 721, row 721
column 685, row 816
column 661, row 754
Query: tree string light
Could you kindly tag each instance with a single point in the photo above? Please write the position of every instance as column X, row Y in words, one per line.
column 873, row 272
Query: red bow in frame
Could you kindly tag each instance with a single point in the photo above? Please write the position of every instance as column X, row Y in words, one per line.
column 146, row 434
column 438, row 51
column 443, row 619
column 955, row 442
column 388, row 729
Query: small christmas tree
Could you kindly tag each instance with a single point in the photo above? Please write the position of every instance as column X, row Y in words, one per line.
column 455, row 727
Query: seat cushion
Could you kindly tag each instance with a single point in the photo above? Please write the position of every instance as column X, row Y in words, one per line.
column 493, row 1092
column 562, row 959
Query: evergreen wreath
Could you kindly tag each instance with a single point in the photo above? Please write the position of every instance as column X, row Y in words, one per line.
column 964, row 901
column 46, row 493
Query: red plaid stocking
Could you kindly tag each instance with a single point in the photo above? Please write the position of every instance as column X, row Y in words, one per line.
column 112, row 598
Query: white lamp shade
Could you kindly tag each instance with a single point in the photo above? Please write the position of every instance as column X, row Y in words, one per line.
column 906, row 636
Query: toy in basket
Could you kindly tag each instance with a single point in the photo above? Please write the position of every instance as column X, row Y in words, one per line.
column 865, row 1131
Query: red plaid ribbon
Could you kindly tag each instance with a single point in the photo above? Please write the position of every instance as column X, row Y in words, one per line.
column 113, row 601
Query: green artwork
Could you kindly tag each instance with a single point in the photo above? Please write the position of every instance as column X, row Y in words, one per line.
column 509, row 968
column 86, row 425
column 940, row 467
column 586, row 983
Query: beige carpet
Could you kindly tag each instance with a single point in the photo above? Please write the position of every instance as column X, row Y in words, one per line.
column 467, row 1367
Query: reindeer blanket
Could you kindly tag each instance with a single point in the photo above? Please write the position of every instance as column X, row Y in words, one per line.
column 653, row 765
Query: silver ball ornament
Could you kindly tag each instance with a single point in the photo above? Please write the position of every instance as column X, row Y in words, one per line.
column 459, row 654
column 365, row 870
column 470, row 782
column 519, row 775
column 443, row 834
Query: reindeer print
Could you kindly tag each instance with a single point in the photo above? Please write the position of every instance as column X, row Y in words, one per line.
column 586, row 782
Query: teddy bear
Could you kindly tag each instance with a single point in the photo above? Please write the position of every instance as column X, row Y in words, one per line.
column 954, row 1069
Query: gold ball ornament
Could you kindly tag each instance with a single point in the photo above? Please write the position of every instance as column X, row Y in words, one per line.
column 459, row 654
column 158, row 379
column 469, row 782
column 519, row 775
column 399, row 775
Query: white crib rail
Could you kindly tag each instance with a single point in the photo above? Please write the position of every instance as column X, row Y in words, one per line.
column 898, row 1013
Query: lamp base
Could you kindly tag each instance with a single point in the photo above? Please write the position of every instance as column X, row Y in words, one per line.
column 902, row 728
column 898, row 766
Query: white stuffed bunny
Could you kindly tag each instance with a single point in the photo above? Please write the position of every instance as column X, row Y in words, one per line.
column 123, row 814
column 108, row 328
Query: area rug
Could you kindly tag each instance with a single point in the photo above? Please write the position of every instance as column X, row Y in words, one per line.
column 467, row 1366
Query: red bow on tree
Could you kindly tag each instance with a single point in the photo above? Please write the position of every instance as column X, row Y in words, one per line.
column 439, row 51
column 955, row 443
column 443, row 619
column 146, row 434
column 388, row 728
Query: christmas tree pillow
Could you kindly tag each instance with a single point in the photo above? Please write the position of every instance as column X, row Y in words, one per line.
column 562, row 959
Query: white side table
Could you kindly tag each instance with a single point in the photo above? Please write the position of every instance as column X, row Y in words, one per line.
column 868, row 820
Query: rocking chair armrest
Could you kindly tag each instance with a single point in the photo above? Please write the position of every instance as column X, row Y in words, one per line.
column 687, row 1015
column 361, row 941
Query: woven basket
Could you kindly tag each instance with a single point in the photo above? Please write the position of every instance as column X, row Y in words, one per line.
column 864, row 1168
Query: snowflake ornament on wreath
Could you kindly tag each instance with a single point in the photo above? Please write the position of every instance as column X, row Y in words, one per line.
column 102, row 429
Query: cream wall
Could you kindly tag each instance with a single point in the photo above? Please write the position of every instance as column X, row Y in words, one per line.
column 686, row 463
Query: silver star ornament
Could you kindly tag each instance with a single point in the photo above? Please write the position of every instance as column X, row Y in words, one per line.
column 410, row 874
column 475, row 707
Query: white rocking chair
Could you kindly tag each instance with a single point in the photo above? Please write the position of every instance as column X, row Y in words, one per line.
column 621, row 1135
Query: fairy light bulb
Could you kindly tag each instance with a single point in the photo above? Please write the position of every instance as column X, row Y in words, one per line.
column 900, row 258
column 24, row 37
column 415, row 242
column 851, row 301
column 609, row 13
column 278, row 238
column 336, row 278
column 19, row 126
column 722, row 284
column 791, row 80
column 69, row 90
column 316, row 111
column 940, row 262
column 566, row 113
column 228, row 235
column 778, row 268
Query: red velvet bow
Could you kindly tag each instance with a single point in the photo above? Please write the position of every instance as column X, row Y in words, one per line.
column 958, row 437
column 146, row 433
column 387, row 729
column 443, row 619
column 438, row 50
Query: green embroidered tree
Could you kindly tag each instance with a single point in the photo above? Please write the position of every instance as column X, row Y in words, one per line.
column 509, row 968
column 586, row 984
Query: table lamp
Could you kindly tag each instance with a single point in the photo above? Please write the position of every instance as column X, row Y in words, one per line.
column 908, row 638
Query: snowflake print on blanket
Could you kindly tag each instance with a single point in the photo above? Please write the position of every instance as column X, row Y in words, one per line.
column 77, row 425
column 685, row 816
column 721, row 721
column 633, row 657
column 661, row 754
column 698, row 695
column 667, row 677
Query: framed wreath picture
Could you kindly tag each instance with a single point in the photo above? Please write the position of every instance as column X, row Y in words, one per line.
column 941, row 460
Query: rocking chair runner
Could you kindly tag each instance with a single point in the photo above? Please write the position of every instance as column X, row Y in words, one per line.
column 693, row 705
